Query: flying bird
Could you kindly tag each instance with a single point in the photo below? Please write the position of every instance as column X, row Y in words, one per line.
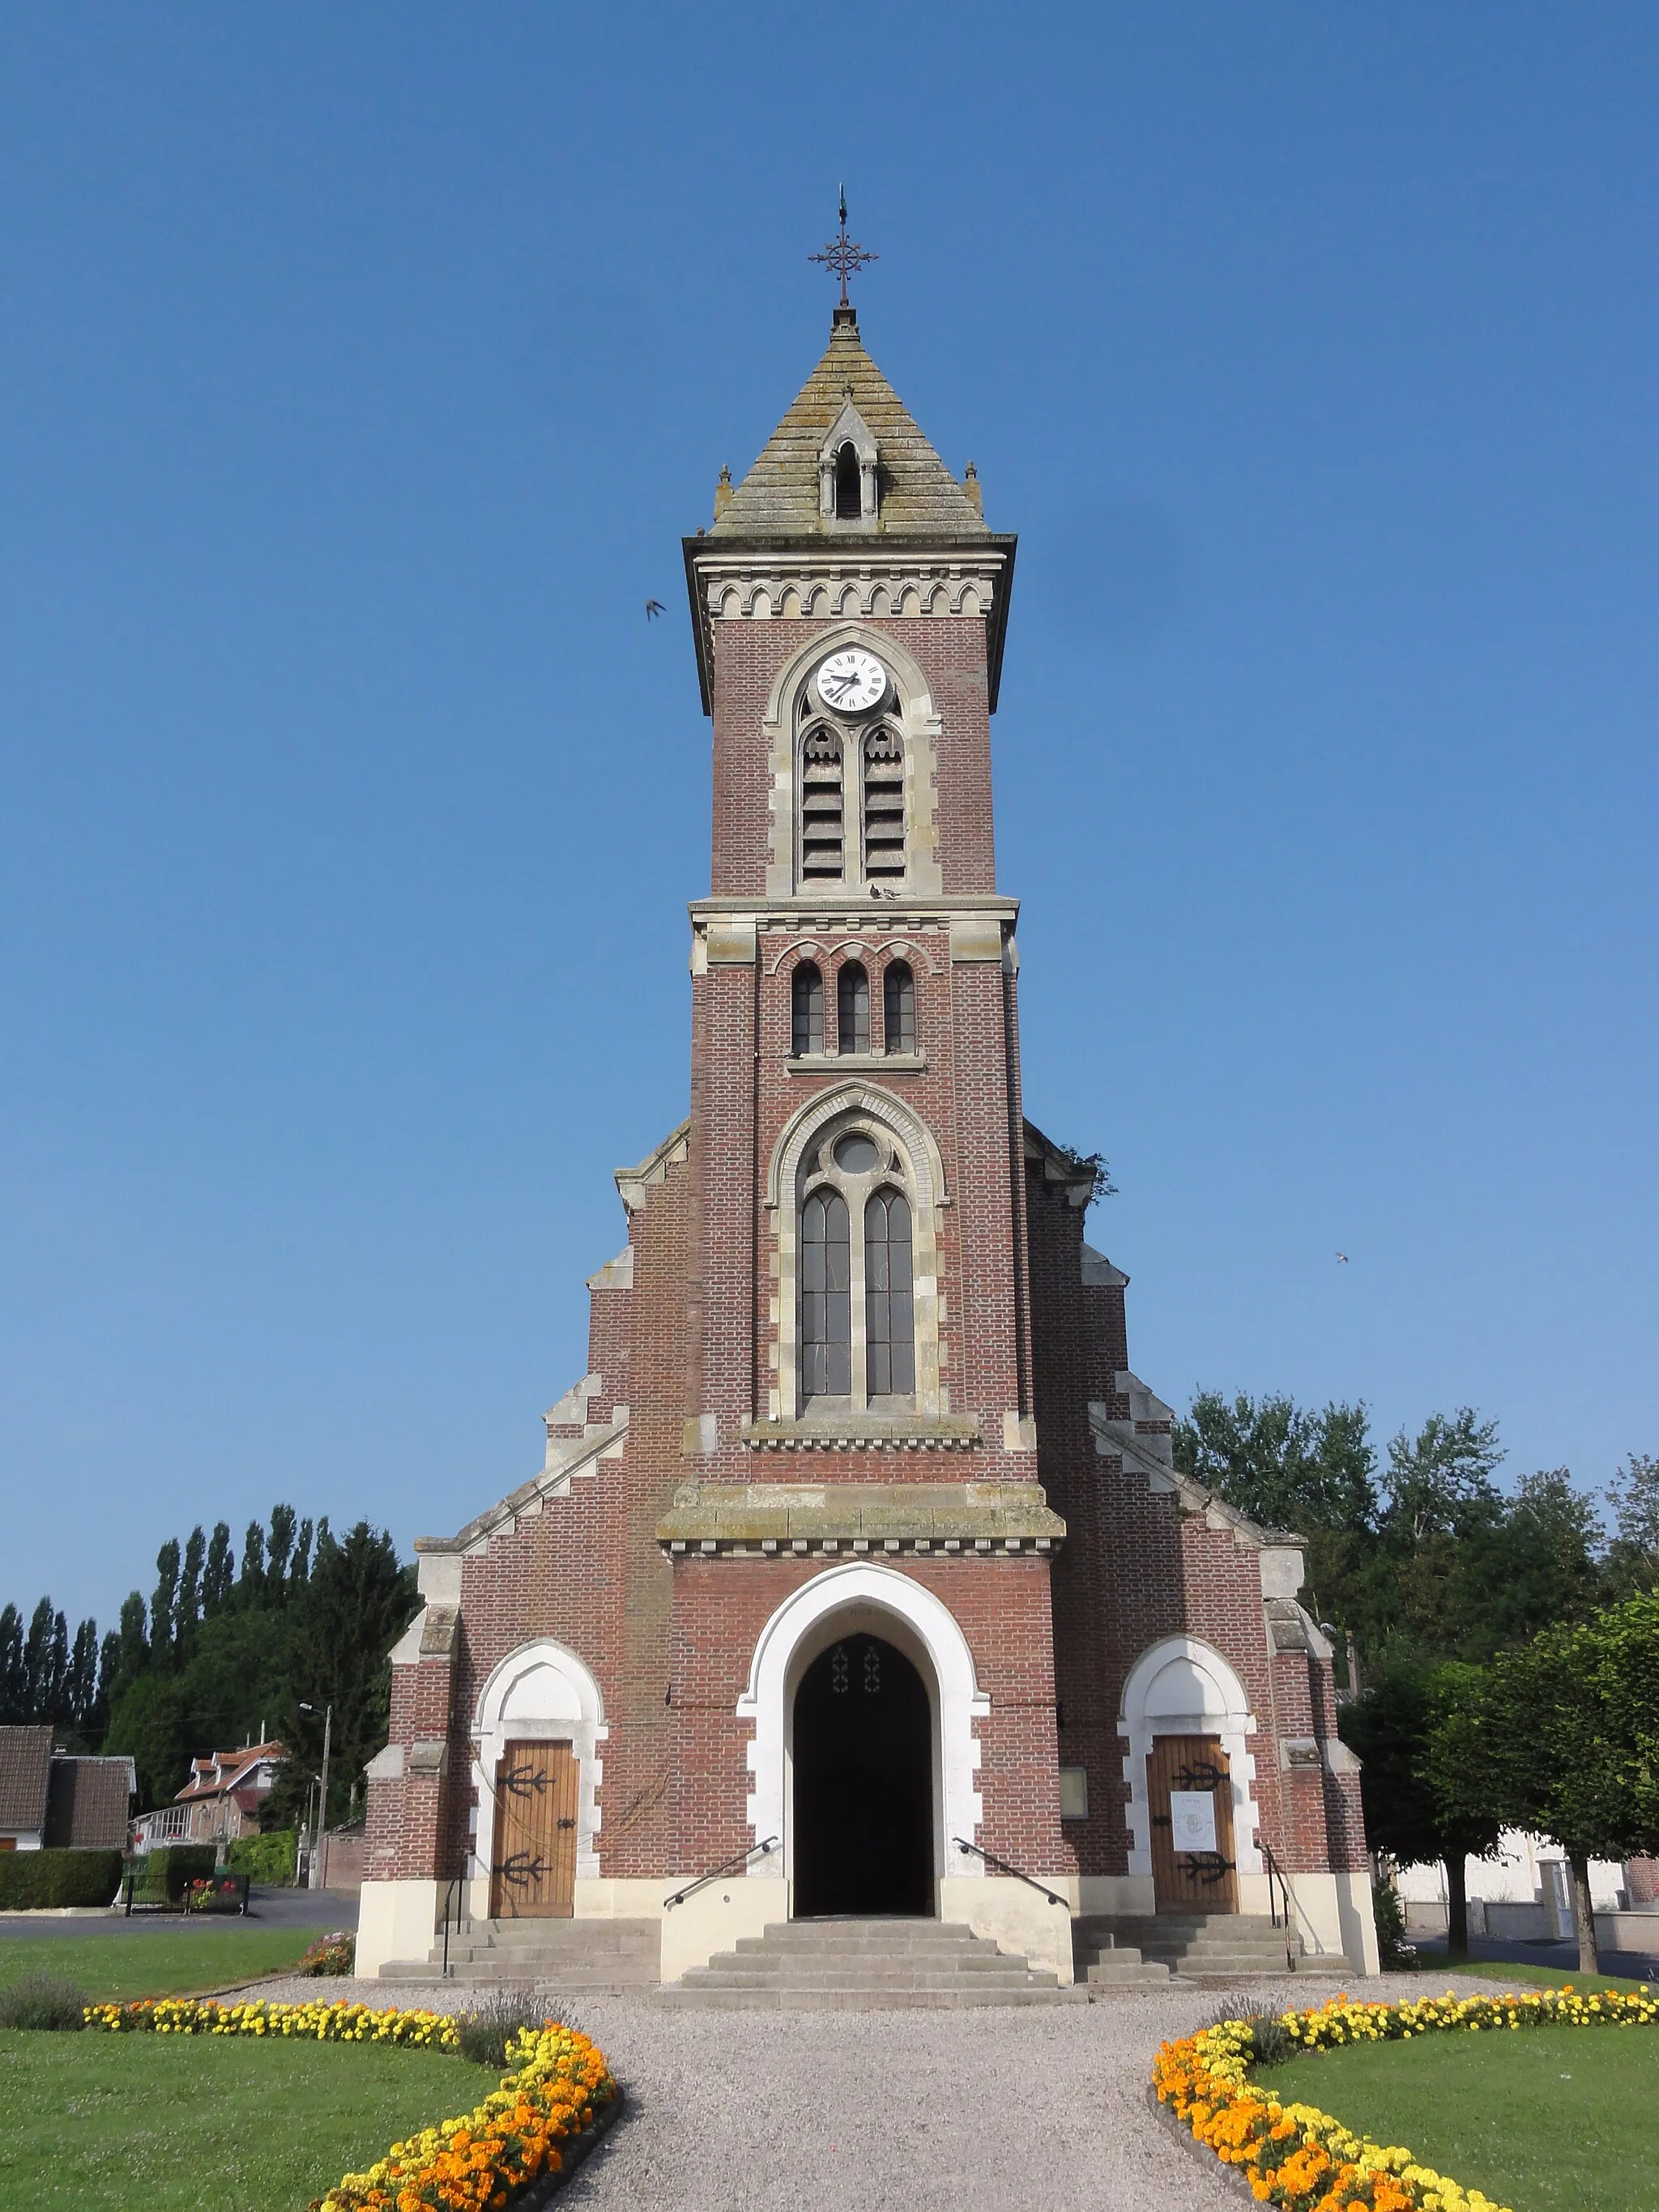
column 653, row 609
column 1343, row 1258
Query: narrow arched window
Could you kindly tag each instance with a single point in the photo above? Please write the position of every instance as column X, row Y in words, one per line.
column 849, row 491
column 806, row 1010
column 898, row 1007
column 823, row 829
column 826, row 1297
column 890, row 1331
column 853, row 1009
column 884, row 804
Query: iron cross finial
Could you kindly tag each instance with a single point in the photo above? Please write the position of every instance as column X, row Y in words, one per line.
column 843, row 257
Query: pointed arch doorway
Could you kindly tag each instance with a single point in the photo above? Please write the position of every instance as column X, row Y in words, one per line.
column 863, row 1782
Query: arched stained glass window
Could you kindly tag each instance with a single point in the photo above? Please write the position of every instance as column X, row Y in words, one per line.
column 898, row 1009
column 806, row 1010
column 826, row 1296
column 853, row 1009
column 890, row 1331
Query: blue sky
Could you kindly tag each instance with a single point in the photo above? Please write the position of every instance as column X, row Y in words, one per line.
column 360, row 370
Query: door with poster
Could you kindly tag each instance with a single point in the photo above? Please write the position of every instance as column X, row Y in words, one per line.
column 1190, row 1792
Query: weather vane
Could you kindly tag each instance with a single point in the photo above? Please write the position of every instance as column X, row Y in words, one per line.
column 843, row 257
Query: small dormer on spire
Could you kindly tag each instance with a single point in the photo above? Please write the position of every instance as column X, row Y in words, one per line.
column 847, row 471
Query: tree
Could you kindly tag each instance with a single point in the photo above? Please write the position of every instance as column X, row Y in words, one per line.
column 81, row 1684
column 1533, row 1562
column 278, row 1550
column 1283, row 1466
column 1440, row 1480
column 356, row 1603
column 163, row 1605
column 1562, row 1737
column 45, row 1663
column 250, row 1582
column 135, row 1644
column 216, row 1575
column 11, row 1666
column 1389, row 1727
column 1633, row 1555
column 190, row 1591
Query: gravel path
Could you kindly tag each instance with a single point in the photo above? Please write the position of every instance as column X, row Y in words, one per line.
column 1032, row 2110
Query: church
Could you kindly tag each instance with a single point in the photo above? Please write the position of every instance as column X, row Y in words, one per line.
column 859, row 1576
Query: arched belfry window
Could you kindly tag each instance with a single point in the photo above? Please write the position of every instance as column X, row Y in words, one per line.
column 822, row 807
column 853, row 1009
column 857, row 1271
column 898, row 1008
column 883, row 805
column 849, row 488
column 806, row 1010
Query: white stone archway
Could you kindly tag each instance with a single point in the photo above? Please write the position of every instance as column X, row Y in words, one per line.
column 1183, row 1686
column 544, row 1691
column 879, row 1601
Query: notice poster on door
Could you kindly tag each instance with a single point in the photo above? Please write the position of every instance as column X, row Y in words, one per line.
column 1192, row 1817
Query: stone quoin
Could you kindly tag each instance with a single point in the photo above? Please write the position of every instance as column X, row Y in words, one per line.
column 859, row 1541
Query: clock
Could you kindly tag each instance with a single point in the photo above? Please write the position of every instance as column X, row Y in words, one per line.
column 852, row 681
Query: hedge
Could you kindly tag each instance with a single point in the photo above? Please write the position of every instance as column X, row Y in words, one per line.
column 170, row 1868
column 263, row 1858
column 36, row 1882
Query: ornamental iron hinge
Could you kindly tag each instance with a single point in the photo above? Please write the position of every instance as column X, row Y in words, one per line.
column 1207, row 1867
column 1202, row 1776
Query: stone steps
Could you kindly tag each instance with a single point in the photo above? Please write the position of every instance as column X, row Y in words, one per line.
column 568, row 1955
column 1207, row 1948
column 852, row 1966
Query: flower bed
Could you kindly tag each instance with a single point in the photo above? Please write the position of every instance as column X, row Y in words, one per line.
column 1299, row 2157
column 558, row 2084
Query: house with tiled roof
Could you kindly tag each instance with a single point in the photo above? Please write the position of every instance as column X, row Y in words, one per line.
column 59, row 1801
column 220, row 1802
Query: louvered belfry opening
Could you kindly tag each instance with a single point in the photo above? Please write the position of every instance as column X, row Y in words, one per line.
column 883, row 805
column 898, row 993
column 849, row 490
column 853, row 1009
column 806, row 1010
column 822, row 807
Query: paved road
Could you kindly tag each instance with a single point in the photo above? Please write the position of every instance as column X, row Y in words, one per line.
column 1037, row 2110
column 1638, row 1965
column 323, row 1909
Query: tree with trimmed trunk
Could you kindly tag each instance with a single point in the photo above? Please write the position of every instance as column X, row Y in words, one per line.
column 1561, row 1737
column 1390, row 1727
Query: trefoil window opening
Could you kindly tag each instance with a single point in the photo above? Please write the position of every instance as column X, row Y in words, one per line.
column 898, row 995
column 806, row 1010
column 853, row 1009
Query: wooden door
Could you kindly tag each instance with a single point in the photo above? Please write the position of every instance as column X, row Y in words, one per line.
column 1190, row 1793
column 534, row 1870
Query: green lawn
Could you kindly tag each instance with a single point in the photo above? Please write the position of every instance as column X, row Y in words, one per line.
column 1538, row 1977
column 170, row 2123
column 1546, row 2119
column 151, row 1962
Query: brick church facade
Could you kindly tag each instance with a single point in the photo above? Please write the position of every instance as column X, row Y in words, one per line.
column 859, row 1567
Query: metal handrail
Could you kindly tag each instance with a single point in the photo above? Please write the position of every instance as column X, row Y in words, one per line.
column 1276, row 1874
column 455, row 1883
column 727, row 1866
column 1003, row 1867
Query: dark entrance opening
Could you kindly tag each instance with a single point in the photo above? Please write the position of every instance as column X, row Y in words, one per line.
column 864, row 1783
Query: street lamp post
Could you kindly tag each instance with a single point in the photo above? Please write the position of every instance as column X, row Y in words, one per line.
column 320, row 1850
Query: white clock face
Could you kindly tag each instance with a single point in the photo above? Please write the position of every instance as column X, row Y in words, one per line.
column 852, row 681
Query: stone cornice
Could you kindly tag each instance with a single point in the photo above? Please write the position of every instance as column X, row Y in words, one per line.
column 860, row 1517
column 832, row 579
